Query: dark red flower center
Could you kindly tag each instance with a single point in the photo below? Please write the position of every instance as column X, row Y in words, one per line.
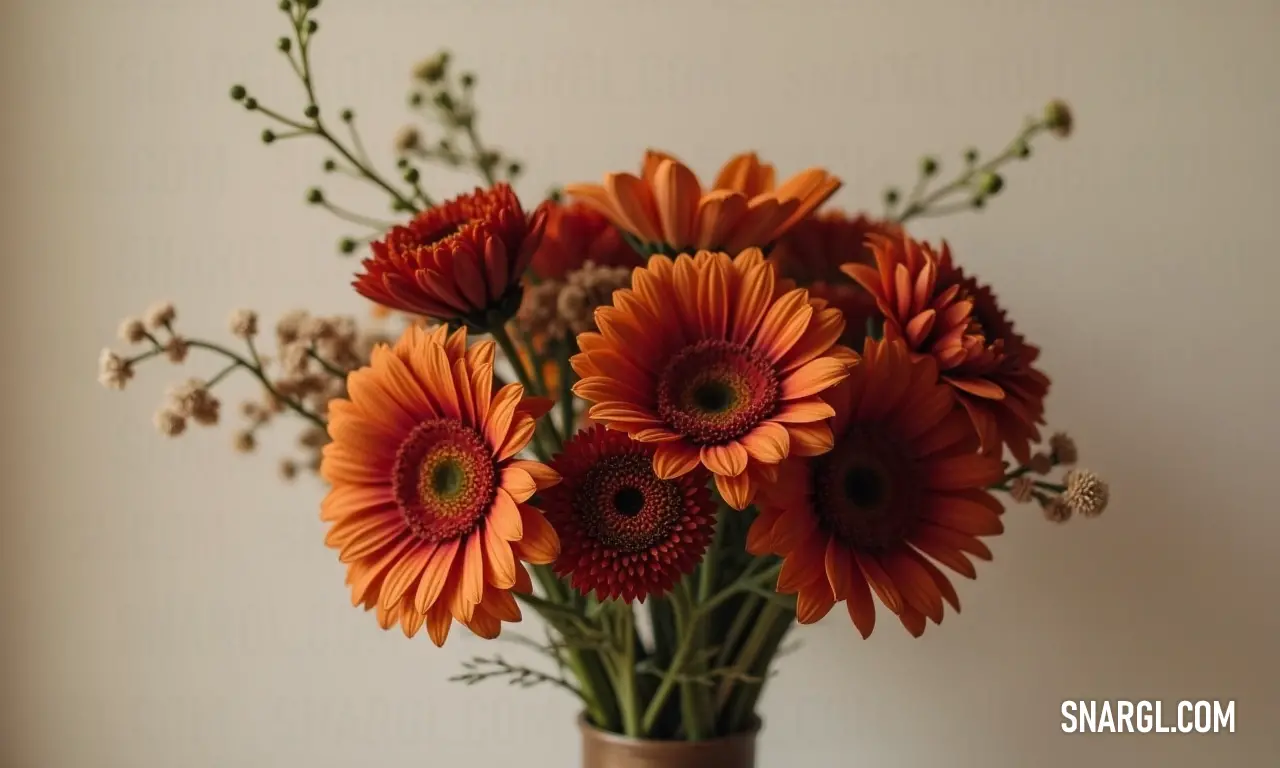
column 444, row 479
column 622, row 504
column 866, row 491
column 716, row 391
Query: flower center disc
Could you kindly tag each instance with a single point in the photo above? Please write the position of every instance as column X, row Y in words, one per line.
column 716, row 391
column 444, row 479
column 866, row 491
column 624, row 505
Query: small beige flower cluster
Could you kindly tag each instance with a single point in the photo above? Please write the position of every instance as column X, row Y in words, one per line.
column 555, row 309
column 313, row 356
column 1082, row 492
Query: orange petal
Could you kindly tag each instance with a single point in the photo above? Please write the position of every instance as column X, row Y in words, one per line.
column 913, row 620
column 675, row 459
column 504, row 516
column 987, row 390
column 862, row 611
column 500, row 604
column 484, row 625
column 839, row 565
column 471, row 583
column 784, row 324
column 754, row 294
column 796, row 525
column 719, row 213
column 803, row 411
column 815, row 601
column 813, row 377
column 955, row 473
column 635, row 205
column 676, row 195
column 543, row 476
column 880, row 581
column 964, row 515
column 518, row 436
column 404, row 574
column 713, row 297
column 501, row 411
column 914, row 584
column 537, row 407
column 438, row 622
column 737, row 491
column 812, row 439
column 435, row 575
column 803, row 566
column 769, row 442
column 760, row 535
column 727, row 459
column 540, row 544
column 499, row 562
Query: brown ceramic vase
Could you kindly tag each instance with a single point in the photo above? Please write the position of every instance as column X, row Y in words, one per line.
column 601, row 749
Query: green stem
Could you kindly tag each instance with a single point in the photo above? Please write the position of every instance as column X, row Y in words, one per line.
column 329, row 367
column 628, row 696
column 693, row 715
column 500, row 335
column 568, row 418
column 220, row 375
column 256, row 370
column 777, row 625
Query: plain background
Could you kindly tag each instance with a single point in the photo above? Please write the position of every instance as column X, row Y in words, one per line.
column 171, row 604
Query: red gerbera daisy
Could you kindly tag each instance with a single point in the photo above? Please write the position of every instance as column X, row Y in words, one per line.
column 904, row 483
column 929, row 304
column 460, row 261
column 624, row 531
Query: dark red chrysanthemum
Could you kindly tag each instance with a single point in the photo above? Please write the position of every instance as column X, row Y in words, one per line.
column 459, row 261
column 931, row 305
column 624, row 531
column 576, row 234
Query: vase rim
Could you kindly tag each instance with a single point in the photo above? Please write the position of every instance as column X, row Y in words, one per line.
column 585, row 725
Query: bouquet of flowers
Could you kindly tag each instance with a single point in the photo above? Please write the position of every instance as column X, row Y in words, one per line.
column 672, row 418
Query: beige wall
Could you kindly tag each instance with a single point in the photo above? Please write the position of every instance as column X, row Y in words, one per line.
column 171, row 605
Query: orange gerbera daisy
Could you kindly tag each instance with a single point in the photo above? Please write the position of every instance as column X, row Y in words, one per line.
column 706, row 357
column 576, row 234
column 625, row 531
column 461, row 261
column 666, row 210
column 904, row 481
column 428, row 502
column 812, row 253
column 929, row 303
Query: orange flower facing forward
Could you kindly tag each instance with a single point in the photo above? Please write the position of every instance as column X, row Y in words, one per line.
column 903, row 484
column 625, row 531
column 460, row 261
column 576, row 234
column 666, row 210
column 428, row 507
column 929, row 303
column 707, row 358
column 812, row 253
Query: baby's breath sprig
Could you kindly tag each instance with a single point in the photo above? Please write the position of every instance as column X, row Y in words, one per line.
column 352, row 158
column 977, row 181
column 448, row 100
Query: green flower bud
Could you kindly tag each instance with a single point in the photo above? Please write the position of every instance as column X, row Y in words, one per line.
column 415, row 99
column 891, row 196
column 250, row 103
column 238, row 93
column 1058, row 118
column 312, row 26
column 978, row 202
column 312, row 4
column 402, row 162
column 268, row 136
column 311, row 112
column 285, row 5
column 443, row 100
column 411, row 175
column 315, row 196
column 432, row 70
column 990, row 184
column 347, row 245
column 514, row 169
column 468, row 79
column 555, row 194
column 330, row 165
column 971, row 155
column 928, row 165
column 1022, row 150
column 284, row 44
column 400, row 207
column 347, row 115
